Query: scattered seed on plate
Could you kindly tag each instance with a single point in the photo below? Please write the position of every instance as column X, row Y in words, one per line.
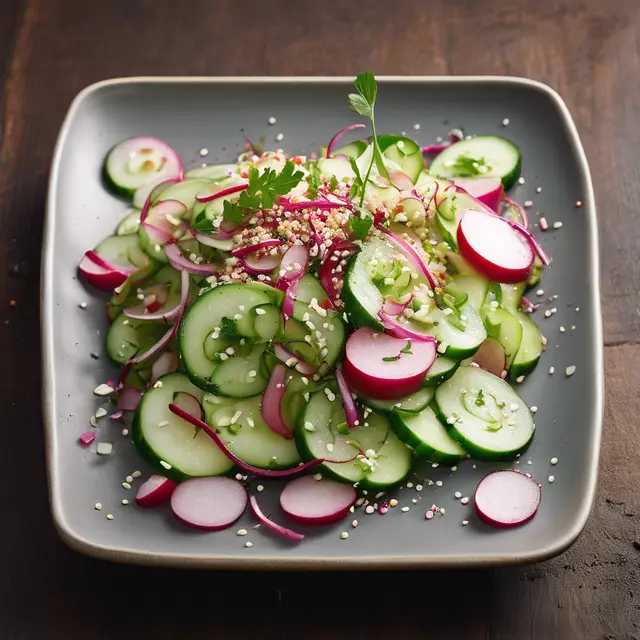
column 344, row 535
column 125, row 432
column 454, row 468
column 98, row 506
column 554, row 461
column 570, row 370
column 552, row 370
column 166, row 465
column 369, row 510
column 538, row 189
column 457, row 495
column 505, row 122
column 241, row 532
column 435, row 464
column 419, row 487
column 280, row 137
column 562, row 329
column 534, row 408
column 354, row 524
column 438, row 483
column 393, row 502
column 405, row 509
column 578, row 204
column 409, row 485
column 271, row 120
column 204, row 152
column 129, row 479
column 464, row 500
column 248, row 544
column 557, row 225
column 136, row 474
column 126, row 485
column 103, row 390
column 125, row 502
column 520, row 379
column 521, row 180
column 109, row 516
column 465, row 523
column 551, row 478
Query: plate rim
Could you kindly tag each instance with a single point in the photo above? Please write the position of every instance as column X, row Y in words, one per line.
column 373, row 562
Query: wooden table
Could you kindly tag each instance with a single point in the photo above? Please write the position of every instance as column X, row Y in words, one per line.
column 588, row 50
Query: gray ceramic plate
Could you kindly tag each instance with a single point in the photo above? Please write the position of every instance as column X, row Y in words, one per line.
column 192, row 113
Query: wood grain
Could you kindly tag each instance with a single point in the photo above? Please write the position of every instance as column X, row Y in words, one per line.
column 50, row 49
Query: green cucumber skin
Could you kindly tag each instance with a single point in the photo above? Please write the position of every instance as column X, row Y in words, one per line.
column 531, row 339
column 420, row 448
column 507, row 330
column 434, row 380
column 114, row 187
column 358, row 316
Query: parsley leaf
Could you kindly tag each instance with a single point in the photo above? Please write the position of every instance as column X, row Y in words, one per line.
column 232, row 212
column 407, row 349
column 314, row 181
column 467, row 167
column 357, row 183
column 333, row 184
column 359, row 225
column 228, row 329
column 390, row 358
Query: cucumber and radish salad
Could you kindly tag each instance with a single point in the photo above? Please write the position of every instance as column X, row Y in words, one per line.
column 340, row 317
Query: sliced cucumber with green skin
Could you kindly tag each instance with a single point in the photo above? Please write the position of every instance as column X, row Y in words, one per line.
column 127, row 338
column 240, row 376
column 201, row 319
column 474, row 286
column 275, row 295
column 442, row 369
column 129, row 224
column 530, row 348
column 352, row 150
column 295, row 397
column 414, row 403
column 308, row 288
column 138, row 161
column 496, row 157
column 123, row 251
column 212, row 171
column 267, row 321
column 484, row 414
column 161, row 436
column 536, row 276
column 404, row 152
column 240, row 426
column 512, row 295
column 426, row 435
column 340, row 168
column 507, row 330
column 492, row 301
column 185, row 191
column 386, row 461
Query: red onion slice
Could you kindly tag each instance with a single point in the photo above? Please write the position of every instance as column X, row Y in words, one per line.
column 166, row 363
column 140, row 313
column 283, row 531
column 521, row 211
column 177, row 260
column 393, row 308
column 285, row 356
column 265, row 264
column 293, row 266
column 350, row 409
column 529, row 307
column 397, row 330
column 129, row 399
column 223, row 192
column 288, row 304
column 337, row 136
column 314, row 204
column 271, row 401
column 253, row 248
column 413, row 255
column 327, row 271
column 401, row 180
column 267, row 473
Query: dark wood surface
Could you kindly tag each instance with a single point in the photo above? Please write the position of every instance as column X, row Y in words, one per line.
column 588, row 50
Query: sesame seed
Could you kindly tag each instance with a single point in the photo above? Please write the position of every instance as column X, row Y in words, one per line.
column 248, row 544
column 97, row 506
column 125, row 432
column 405, row 509
column 528, row 203
column 369, row 510
column 457, row 495
column 557, row 225
column 435, row 465
column 101, row 412
column 416, row 127
column 419, row 487
column 551, row 478
column 126, row 485
column 109, row 516
column 534, row 408
column 354, row 524
column 166, row 465
column 540, row 292
column 539, row 190
column 129, row 478
column 409, row 485
column 103, row 390
column 162, row 424
column 562, row 329
column 505, row 122
column 393, row 502
column 104, row 448
column 280, row 137
column 271, row 120
column 570, row 370
column 438, row 483
column 260, row 488
column 241, row 532
column 552, row 370
column 442, row 511
column 344, row 535
column 554, row 461
column 465, row 523
column 464, row 500
column 520, row 379
column 136, row 474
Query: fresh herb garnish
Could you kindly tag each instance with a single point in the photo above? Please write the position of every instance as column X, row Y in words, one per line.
column 405, row 350
column 357, row 182
column 343, row 429
column 467, row 167
column 314, row 180
column 359, row 225
column 333, row 184
column 228, row 329
column 480, row 399
column 363, row 103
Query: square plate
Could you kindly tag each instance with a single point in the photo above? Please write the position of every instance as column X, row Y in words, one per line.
column 192, row 113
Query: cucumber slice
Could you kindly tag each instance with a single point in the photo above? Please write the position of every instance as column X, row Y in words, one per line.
column 186, row 191
column 505, row 328
column 123, row 251
column 387, row 460
column 240, row 426
column 426, row 435
column 216, row 172
column 129, row 224
column 138, row 161
column 442, row 369
column 295, row 397
column 414, row 403
column 127, row 338
column 240, row 376
column 404, row 152
column 512, row 295
column 477, row 420
column 160, row 435
column 308, row 288
column 492, row 301
column 275, row 295
column 530, row 348
column 267, row 321
column 201, row 319
column 474, row 286
column 352, row 150
column 340, row 168
column 496, row 157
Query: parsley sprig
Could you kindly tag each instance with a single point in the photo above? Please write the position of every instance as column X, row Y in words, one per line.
column 406, row 350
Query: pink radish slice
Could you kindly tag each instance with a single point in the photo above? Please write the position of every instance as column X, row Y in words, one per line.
column 401, row 181
column 129, row 399
column 334, row 140
column 189, row 403
column 413, row 255
column 215, row 192
column 490, row 357
column 507, row 498
column 292, row 266
column 156, row 490
column 167, row 215
column 367, row 371
column 494, row 248
column 99, row 276
column 264, row 264
column 87, row 438
column 166, row 363
column 312, row 501
column 270, row 524
column 285, row 355
column 177, row 260
column 487, row 190
column 271, row 401
column 209, row 503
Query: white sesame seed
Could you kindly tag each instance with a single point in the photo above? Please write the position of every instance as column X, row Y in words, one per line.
column 409, row 485
column 248, row 544
column 505, row 122
column 125, row 432
column 241, row 532
column 554, row 461
column 527, row 204
column 126, row 485
column 435, row 465
column 539, row 190
column 557, row 225
column 129, row 479
column 405, row 509
column 103, row 390
column 442, row 511
column 109, row 516
column 551, row 478
column 393, row 502
column 83, row 305
column 280, row 137
column 457, row 495
column 562, row 329
column 166, row 465
column 552, row 370
column 540, row 292
column 125, row 502
column 438, row 483
column 101, row 412
column 570, row 370
column 354, row 524
column 464, row 500
column 97, row 506
column 369, row 510
column 344, row 535
column 465, row 523
column 419, row 487
column 577, row 309
column 534, row 408
column 416, row 127
column 520, row 379
column 271, row 120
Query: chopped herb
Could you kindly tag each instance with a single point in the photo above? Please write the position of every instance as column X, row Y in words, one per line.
column 343, row 429
column 405, row 350
column 314, row 181
column 360, row 225
column 333, row 184
column 468, row 167
column 228, row 329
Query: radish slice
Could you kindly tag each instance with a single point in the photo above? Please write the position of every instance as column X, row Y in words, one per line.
column 129, row 399
column 376, row 365
column 264, row 264
column 142, row 313
column 507, row 498
column 177, row 260
column 487, row 190
column 312, row 501
column 87, row 438
column 283, row 531
column 412, row 254
column 267, row 473
column 393, row 308
column 491, row 357
column 189, row 403
column 399, row 330
column 285, row 356
column 156, row 490
column 209, row 503
column 166, row 363
column 147, row 193
column 168, row 216
column 252, row 248
column 494, row 248
column 293, row 265
column 271, row 401
column 99, row 276
column 401, row 181
column 349, row 404
column 220, row 193
column 334, row 140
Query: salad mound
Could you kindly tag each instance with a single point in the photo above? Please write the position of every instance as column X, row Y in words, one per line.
column 346, row 314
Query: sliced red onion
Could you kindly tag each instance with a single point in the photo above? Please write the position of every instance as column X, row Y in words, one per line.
column 87, row 438
column 264, row 264
column 397, row 330
column 271, row 401
column 175, row 257
column 521, row 211
column 401, row 180
column 129, row 399
column 101, row 262
column 393, row 308
column 223, row 192
column 166, row 363
column 413, row 255
column 293, row 266
column 145, row 195
column 334, row 140
column 156, row 234
column 285, row 356
column 288, row 304
column 268, row 473
column 528, row 305
column 118, row 415
column 283, row 531
column 350, row 409
column 189, row 403
column 140, row 312
column 327, row 271
column 253, row 248
column 313, row 204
